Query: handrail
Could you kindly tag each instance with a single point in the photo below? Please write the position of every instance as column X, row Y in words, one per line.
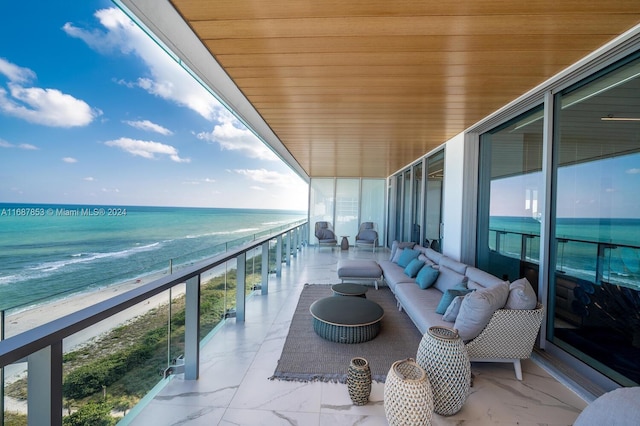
column 28, row 342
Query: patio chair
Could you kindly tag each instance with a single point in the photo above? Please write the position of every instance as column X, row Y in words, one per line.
column 325, row 235
column 367, row 235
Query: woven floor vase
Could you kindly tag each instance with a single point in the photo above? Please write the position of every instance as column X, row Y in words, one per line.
column 407, row 395
column 444, row 358
column 359, row 381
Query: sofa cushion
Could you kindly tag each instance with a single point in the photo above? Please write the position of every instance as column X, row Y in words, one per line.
column 454, row 265
column 427, row 277
column 521, row 295
column 448, row 279
column 478, row 307
column 451, row 313
column 433, row 255
column 413, row 268
column 426, row 260
column 420, row 305
column 481, row 279
column 407, row 256
column 393, row 274
column 399, row 245
column 448, row 297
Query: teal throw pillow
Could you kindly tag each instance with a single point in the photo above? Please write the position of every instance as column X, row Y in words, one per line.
column 407, row 256
column 426, row 277
column 413, row 268
column 448, row 297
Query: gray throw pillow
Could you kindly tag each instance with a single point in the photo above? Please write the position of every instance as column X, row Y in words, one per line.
column 478, row 307
column 452, row 311
column 521, row 295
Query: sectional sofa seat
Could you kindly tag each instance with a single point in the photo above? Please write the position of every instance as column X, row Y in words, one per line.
column 499, row 321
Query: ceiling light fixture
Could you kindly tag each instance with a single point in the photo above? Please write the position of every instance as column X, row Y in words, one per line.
column 612, row 118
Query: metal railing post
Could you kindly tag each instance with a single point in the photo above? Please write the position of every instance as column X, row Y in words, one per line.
column 265, row 268
column 192, row 329
column 279, row 256
column 44, row 386
column 241, row 283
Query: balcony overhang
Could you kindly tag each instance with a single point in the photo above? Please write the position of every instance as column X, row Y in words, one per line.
column 363, row 88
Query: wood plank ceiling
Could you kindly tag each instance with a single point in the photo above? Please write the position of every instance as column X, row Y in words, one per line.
column 362, row 88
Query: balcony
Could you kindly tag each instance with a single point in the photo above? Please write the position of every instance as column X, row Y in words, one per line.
column 234, row 363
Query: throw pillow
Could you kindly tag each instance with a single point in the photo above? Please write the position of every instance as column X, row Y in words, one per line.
column 413, row 268
column 452, row 311
column 447, row 298
column 427, row 276
column 478, row 307
column 396, row 249
column 521, row 295
column 407, row 256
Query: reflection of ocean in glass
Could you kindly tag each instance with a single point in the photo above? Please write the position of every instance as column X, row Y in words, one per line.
column 579, row 241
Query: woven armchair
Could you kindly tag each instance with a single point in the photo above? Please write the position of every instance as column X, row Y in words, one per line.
column 509, row 337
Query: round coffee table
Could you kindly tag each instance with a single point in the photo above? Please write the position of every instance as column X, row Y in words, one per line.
column 349, row 289
column 346, row 319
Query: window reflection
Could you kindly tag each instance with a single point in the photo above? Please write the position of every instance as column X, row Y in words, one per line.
column 595, row 314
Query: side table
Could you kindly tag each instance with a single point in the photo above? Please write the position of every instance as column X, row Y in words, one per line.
column 344, row 245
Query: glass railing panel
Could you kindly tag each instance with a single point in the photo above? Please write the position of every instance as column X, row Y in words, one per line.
column 15, row 394
column 531, row 248
column 231, row 281
column 577, row 258
column 110, row 366
column 621, row 266
column 213, row 297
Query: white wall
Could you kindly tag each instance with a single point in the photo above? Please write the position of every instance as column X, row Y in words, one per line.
column 452, row 197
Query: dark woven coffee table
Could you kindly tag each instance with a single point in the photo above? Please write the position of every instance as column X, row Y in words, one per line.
column 346, row 319
column 348, row 289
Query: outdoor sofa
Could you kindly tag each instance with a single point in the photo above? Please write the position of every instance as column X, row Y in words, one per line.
column 498, row 321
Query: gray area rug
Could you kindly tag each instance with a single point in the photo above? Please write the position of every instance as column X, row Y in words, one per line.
column 308, row 357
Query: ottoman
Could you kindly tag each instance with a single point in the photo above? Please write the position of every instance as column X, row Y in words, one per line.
column 354, row 269
column 346, row 319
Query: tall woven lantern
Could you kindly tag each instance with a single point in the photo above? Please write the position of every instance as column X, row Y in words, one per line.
column 359, row 381
column 443, row 356
column 408, row 400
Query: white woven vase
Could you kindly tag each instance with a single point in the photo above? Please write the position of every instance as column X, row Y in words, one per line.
column 408, row 399
column 443, row 356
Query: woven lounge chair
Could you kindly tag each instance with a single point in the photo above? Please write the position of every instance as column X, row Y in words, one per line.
column 367, row 235
column 509, row 337
column 325, row 235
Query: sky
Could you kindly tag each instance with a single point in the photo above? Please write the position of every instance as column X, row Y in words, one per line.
column 605, row 188
column 92, row 111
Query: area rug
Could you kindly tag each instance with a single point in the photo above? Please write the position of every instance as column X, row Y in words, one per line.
column 308, row 357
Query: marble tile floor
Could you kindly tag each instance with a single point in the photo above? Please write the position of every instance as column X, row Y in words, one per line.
column 236, row 363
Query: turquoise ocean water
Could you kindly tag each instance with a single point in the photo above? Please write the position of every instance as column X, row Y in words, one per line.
column 51, row 251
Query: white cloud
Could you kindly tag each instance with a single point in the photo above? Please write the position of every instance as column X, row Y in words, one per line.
column 257, row 188
column 199, row 181
column 147, row 149
column 149, row 126
column 69, row 160
column 48, row 107
column 231, row 135
column 267, row 177
column 167, row 79
column 89, row 178
column 633, row 171
column 26, row 146
column 15, row 73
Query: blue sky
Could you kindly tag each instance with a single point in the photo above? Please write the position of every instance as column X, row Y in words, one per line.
column 604, row 188
column 92, row 111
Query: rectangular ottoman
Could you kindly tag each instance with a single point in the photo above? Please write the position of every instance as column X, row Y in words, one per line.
column 366, row 270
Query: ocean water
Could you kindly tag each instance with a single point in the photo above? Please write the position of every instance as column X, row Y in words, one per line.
column 584, row 245
column 50, row 251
